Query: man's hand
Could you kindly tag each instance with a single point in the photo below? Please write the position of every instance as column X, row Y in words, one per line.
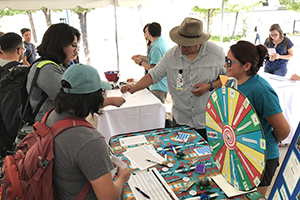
column 201, row 88
column 127, row 88
column 137, row 59
column 113, row 101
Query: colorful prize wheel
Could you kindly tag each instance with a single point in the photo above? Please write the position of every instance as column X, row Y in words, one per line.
column 235, row 137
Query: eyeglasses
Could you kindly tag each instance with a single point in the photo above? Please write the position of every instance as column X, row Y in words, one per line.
column 24, row 49
column 274, row 35
column 76, row 47
column 229, row 62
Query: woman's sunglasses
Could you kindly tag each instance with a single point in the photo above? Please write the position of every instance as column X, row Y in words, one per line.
column 229, row 62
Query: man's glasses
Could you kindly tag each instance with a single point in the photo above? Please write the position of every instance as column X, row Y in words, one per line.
column 76, row 47
column 229, row 62
column 274, row 35
column 24, row 49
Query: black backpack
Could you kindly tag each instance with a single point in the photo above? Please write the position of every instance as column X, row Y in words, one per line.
column 15, row 109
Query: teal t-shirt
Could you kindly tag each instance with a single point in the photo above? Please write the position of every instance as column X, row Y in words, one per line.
column 158, row 49
column 266, row 103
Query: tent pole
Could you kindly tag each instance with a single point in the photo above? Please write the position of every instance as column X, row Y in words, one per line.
column 116, row 33
column 222, row 21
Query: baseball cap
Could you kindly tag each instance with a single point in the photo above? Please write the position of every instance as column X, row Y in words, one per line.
column 84, row 79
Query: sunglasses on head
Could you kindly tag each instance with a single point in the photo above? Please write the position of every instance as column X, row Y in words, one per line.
column 229, row 62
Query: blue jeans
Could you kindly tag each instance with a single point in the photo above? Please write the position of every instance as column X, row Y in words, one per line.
column 280, row 71
column 257, row 38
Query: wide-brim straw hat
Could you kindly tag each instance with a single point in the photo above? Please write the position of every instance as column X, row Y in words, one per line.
column 189, row 33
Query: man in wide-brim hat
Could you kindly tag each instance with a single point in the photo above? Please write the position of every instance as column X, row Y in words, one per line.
column 192, row 69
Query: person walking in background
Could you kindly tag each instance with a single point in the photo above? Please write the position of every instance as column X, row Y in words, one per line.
column 192, row 68
column 158, row 48
column 30, row 54
column 283, row 46
column 243, row 62
column 257, row 28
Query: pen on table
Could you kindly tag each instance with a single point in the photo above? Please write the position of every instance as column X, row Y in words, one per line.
column 203, row 197
column 174, row 150
column 143, row 193
column 155, row 162
column 166, row 155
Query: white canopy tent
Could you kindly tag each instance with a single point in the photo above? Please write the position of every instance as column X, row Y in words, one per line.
column 71, row 4
column 66, row 4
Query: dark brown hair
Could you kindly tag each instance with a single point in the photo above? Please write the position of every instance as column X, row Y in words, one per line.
column 24, row 30
column 55, row 39
column 245, row 51
column 80, row 104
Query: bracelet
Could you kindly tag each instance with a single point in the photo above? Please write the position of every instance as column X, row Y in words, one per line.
column 140, row 64
column 212, row 86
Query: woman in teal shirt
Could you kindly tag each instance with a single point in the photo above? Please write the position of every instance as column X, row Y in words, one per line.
column 243, row 62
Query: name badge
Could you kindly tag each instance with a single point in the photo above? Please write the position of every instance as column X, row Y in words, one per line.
column 179, row 84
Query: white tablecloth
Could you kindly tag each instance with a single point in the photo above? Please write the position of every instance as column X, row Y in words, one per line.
column 289, row 96
column 141, row 111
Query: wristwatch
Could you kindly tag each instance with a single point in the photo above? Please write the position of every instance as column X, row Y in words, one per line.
column 140, row 64
column 212, row 86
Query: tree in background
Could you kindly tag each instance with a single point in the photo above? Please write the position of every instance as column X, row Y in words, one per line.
column 33, row 32
column 82, row 12
column 47, row 13
column 237, row 8
column 291, row 4
column 9, row 12
column 207, row 15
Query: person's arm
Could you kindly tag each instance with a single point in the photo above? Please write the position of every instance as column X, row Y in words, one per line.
column 141, row 84
column 202, row 88
column 113, row 101
column 105, row 188
column 281, row 127
column 295, row 77
column 24, row 61
column 146, row 65
column 286, row 57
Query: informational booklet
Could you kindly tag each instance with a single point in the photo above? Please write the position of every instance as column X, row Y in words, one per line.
column 271, row 51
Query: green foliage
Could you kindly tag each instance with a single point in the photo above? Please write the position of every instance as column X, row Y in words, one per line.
column 217, row 38
column 242, row 6
column 291, row 4
column 79, row 9
column 9, row 12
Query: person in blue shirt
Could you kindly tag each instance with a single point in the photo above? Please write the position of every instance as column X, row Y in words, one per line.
column 243, row 61
column 277, row 63
column 30, row 54
column 158, row 48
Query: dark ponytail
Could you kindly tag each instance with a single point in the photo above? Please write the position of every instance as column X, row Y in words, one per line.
column 245, row 51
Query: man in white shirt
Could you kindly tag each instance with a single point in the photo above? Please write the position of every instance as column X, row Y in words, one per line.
column 192, row 69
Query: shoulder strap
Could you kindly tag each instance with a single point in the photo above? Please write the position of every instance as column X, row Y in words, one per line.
column 9, row 65
column 39, row 66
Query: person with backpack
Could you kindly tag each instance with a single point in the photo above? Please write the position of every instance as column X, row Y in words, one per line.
column 59, row 45
column 65, row 157
column 12, row 76
column 85, row 156
column 277, row 62
column 12, row 48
